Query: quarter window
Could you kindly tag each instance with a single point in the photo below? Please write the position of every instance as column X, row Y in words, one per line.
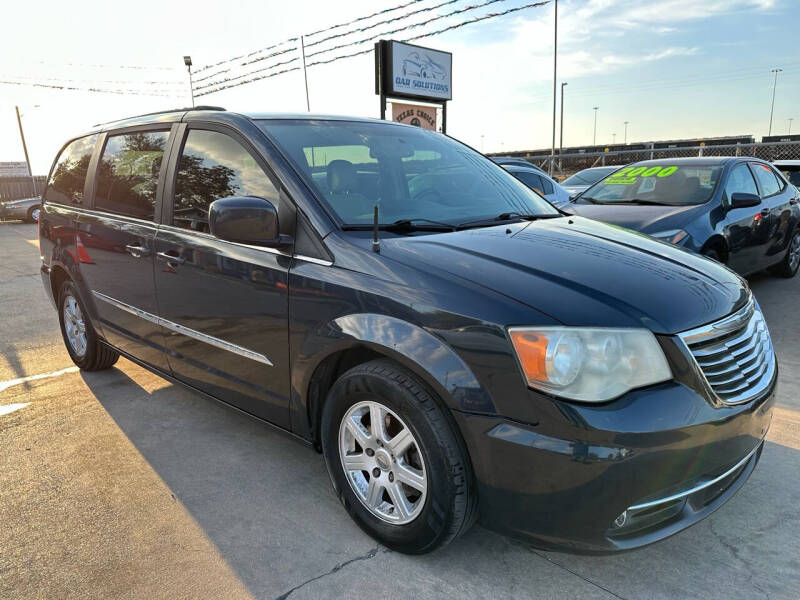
column 740, row 181
column 767, row 180
column 128, row 173
column 69, row 175
column 212, row 166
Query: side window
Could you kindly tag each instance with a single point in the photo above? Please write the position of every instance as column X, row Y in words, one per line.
column 212, row 166
column 767, row 180
column 740, row 181
column 532, row 180
column 128, row 173
column 547, row 186
column 69, row 175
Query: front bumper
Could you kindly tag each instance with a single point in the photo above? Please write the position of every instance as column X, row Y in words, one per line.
column 664, row 457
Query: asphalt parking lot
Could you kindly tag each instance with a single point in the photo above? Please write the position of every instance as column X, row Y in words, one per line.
column 120, row 484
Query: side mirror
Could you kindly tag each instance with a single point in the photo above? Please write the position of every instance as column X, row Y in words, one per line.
column 743, row 200
column 246, row 220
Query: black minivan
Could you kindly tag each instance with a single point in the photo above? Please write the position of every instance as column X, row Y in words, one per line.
column 456, row 347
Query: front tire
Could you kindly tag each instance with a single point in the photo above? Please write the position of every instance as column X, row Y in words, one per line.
column 790, row 263
column 395, row 461
column 82, row 342
column 33, row 215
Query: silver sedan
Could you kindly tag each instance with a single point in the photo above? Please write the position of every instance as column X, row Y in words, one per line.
column 26, row 209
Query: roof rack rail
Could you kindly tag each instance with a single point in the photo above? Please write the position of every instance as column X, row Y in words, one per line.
column 161, row 112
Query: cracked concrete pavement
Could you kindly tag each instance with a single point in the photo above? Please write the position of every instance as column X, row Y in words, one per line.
column 120, row 484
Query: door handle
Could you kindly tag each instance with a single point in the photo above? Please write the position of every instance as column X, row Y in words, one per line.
column 137, row 251
column 172, row 259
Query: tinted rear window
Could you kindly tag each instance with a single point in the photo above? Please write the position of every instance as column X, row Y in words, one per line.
column 128, row 173
column 69, row 175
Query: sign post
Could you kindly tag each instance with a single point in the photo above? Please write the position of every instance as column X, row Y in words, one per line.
column 410, row 72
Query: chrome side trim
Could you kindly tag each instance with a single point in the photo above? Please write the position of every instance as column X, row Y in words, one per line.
column 696, row 488
column 178, row 328
column 311, row 259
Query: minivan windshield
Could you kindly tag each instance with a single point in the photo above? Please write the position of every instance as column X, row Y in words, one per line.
column 670, row 185
column 412, row 175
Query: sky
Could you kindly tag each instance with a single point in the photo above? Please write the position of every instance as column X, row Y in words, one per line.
column 672, row 68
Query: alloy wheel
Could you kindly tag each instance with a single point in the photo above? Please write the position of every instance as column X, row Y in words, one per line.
column 74, row 325
column 383, row 462
column 794, row 252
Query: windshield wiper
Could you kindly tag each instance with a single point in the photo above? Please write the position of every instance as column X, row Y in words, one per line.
column 411, row 224
column 508, row 216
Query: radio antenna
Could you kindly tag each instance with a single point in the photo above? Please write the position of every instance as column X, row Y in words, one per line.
column 376, row 244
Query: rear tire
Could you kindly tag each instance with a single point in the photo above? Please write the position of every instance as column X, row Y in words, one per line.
column 790, row 263
column 82, row 342
column 441, row 503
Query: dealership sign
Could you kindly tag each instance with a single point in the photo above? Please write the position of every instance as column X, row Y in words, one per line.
column 13, row 169
column 409, row 71
column 415, row 114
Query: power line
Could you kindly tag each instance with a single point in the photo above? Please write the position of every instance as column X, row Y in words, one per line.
column 100, row 66
column 363, row 41
column 478, row 19
column 115, row 81
column 248, row 55
column 412, row 26
column 163, row 93
column 364, row 18
column 374, row 25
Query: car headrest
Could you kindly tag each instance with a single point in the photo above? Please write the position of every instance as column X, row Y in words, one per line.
column 692, row 185
column 341, row 176
column 672, row 184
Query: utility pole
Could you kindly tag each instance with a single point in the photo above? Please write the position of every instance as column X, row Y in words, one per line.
column 561, row 128
column 555, row 64
column 481, row 143
column 305, row 75
column 613, row 138
column 25, row 149
column 772, row 108
column 594, row 136
column 790, row 124
column 187, row 60
column 626, row 132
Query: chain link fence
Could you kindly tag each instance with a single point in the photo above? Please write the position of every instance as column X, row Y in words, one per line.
column 567, row 164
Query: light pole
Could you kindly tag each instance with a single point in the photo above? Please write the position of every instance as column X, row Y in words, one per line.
column 305, row 73
column 613, row 138
column 772, row 107
column 555, row 59
column 594, row 136
column 561, row 128
column 25, row 149
column 626, row 132
column 187, row 60
column 481, row 143
column 790, row 124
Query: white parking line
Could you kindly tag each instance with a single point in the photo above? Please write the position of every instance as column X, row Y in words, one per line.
column 10, row 408
column 4, row 385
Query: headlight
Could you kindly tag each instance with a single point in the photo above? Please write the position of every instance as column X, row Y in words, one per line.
column 673, row 236
column 590, row 365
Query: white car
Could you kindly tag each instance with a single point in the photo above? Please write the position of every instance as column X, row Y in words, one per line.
column 542, row 184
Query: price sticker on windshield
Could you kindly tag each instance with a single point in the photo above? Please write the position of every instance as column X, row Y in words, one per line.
column 628, row 175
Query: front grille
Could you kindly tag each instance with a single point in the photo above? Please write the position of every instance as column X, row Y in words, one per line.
column 734, row 355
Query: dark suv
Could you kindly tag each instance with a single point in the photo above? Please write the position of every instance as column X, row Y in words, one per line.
column 455, row 346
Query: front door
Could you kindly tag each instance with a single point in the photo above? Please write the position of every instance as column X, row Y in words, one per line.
column 224, row 306
column 776, row 197
column 115, row 243
column 747, row 228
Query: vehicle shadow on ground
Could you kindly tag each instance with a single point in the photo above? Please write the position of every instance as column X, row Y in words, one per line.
column 266, row 502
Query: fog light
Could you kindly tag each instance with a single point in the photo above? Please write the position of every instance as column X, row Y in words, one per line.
column 621, row 520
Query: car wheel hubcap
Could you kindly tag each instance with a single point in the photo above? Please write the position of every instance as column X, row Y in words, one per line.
column 794, row 252
column 382, row 462
column 74, row 326
column 35, row 214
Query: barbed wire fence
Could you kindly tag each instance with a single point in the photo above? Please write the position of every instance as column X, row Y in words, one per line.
column 568, row 163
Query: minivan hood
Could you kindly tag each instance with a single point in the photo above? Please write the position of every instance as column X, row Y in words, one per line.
column 647, row 219
column 582, row 272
